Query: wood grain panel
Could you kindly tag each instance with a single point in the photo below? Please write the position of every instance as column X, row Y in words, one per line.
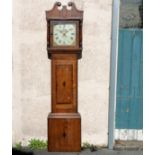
column 64, row 84
column 64, row 79
column 65, row 133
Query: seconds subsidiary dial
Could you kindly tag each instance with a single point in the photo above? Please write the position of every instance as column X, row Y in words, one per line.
column 64, row 34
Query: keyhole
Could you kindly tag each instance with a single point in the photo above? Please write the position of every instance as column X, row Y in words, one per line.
column 64, row 83
column 64, row 135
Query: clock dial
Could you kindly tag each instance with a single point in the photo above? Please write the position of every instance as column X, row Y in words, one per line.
column 64, row 34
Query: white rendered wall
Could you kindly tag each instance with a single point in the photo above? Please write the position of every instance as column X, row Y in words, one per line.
column 31, row 70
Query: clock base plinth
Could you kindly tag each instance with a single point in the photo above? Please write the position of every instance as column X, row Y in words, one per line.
column 64, row 132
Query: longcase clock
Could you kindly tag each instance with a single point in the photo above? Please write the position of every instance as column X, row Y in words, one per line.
column 64, row 46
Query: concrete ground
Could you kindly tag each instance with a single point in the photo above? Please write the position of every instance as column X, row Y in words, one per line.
column 98, row 152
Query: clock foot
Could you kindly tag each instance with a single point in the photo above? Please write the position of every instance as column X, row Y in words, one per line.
column 64, row 132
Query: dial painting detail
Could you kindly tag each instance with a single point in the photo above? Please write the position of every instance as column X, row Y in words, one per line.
column 64, row 34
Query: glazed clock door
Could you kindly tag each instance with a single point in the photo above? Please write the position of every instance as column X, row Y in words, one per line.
column 64, row 34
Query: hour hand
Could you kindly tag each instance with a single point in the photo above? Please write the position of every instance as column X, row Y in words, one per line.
column 60, row 31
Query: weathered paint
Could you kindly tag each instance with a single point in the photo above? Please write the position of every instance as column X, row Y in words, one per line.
column 129, row 107
column 128, row 134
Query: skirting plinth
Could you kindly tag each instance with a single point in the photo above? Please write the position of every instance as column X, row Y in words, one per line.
column 64, row 132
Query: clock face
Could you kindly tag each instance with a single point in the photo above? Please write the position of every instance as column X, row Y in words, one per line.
column 64, row 34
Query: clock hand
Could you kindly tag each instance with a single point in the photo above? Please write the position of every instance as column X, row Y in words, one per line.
column 60, row 31
column 63, row 28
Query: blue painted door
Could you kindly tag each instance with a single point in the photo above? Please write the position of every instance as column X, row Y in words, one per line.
column 129, row 106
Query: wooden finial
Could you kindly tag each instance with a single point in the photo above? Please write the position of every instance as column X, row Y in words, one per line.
column 64, row 13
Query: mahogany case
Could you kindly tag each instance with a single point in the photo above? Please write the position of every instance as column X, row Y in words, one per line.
column 64, row 121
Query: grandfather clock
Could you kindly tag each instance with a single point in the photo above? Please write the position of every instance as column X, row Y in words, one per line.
column 64, row 46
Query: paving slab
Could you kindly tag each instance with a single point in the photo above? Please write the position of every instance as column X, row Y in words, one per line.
column 84, row 152
column 88, row 152
column 126, row 145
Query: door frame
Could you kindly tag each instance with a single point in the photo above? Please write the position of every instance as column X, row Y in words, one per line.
column 113, row 73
